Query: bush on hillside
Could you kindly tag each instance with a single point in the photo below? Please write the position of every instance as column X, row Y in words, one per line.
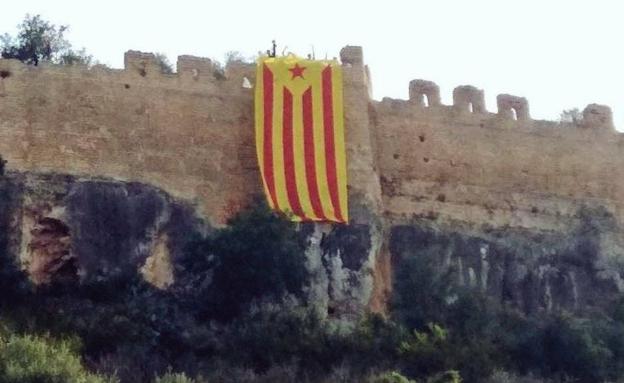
column 31, row 359
column 258, row 257
column 390, row 377
column 421, row 293
column 174, row 378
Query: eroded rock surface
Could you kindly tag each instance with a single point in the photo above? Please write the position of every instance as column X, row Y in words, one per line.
column 62, row 229
column 575, row 271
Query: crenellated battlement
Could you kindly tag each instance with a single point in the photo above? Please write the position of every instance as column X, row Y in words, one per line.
column 513, row 107
column 202, row 70
column 424, row 93
column 140, row 63
column 139, row 66
column 469, row 99
column 195, row 67
column 598, row 116
column 188, row 67
column 352, row 55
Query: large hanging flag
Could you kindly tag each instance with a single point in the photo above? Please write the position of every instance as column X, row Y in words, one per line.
column 300, row 137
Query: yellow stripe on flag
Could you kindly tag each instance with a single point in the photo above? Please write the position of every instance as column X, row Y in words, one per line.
column 319, row 148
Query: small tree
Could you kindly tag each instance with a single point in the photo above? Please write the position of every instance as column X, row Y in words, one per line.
column 79, row 57
column 573, row 116
column 234, row 56
column 259, row 256
column 38, row 40
column 164, row 63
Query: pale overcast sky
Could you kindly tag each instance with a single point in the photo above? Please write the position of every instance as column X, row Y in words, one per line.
column 558, row 54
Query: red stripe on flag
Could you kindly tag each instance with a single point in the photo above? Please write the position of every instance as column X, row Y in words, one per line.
column 310, row 155
column 289, row 155
column 330, row 147
column 269, row 177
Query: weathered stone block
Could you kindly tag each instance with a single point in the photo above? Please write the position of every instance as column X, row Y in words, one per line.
column 423, row 90
column 467, row 98
column 598, row 117
column 513, row 107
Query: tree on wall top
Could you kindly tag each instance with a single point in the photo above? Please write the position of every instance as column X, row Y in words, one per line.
column 38, row 41
column 573, row 116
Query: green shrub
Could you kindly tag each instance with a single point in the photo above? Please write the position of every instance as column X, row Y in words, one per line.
column 506, row 377
column 425, row 293
column 574, row 347
column 426, row 353
column 259, row 256
column 390, row 377
column 163, row 62
column 30, row 359
column 421, row 293
column 275, row 335
column 446, row 377
column 375, row 343
column 174, row 378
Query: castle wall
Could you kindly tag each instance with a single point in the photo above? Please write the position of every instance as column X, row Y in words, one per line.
column 463, row 164
column 190, row 133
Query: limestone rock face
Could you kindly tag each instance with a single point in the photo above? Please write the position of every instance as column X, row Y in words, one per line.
column 341, row 260
column 65, row 229
column 576, row 271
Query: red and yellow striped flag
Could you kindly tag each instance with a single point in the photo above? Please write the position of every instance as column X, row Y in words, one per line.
column 300, row 137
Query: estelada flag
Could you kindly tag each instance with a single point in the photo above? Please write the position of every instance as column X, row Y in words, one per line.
column 300, row 137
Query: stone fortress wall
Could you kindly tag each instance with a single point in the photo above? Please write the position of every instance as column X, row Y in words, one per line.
column 188, row 133
column 191, row 134
column 463, row 163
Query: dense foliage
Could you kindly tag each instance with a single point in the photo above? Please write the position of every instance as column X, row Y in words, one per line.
column 30, row 359
column 258, row 257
